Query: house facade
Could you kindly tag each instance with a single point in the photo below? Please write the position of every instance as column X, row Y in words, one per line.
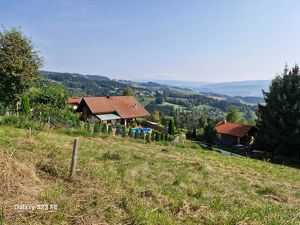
column 229, row 134
column 121, row 109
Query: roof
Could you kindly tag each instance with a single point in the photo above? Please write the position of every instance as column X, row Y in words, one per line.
column 74, row 100
column 110, row 116
column 233, row 129
column 124, row 106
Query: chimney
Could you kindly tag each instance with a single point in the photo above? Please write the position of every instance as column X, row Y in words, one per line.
column 107, row 96
column 135, row 105
column 224, row 121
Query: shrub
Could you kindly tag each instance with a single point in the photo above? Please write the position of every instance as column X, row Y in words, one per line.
column 118, row 129
column 130, row 133
column 109, row 131
column 153, row 135
column 124, row 132
column 157, row 136
column 148, row 137
column 10, row 120
column 137, row 134
column 97, row 128
column 142, row 135
column 104, row 128
column 162, row 137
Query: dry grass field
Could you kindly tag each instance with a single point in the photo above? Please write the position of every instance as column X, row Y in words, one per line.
column 123, row 181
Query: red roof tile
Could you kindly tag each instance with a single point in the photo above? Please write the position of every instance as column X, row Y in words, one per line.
column 125, row 106
column 74, row 100
column 233, row 129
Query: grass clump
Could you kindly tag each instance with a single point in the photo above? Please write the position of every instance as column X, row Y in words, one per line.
column 111, row 156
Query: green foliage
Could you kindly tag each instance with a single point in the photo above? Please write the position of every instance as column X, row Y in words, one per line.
column 148, row 137
column 233, row 115
column 162, row 137
column 155, row 117
column 142, row 135
column 25, row 109
column 130, row 133
column 171, row 127
column 157, row 136
column 109, row 129
column 104, row 129
column 19, row 66
column 111, row 156
column 128, row 91
column 124, row 132
column 137, row 134
column 133, row 124
column 97, row 128
column 118, row 129
column 279, row 120
column 53, row 95
column 153, row 135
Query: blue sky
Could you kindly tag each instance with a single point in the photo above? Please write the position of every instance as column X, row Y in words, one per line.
column 161, row 39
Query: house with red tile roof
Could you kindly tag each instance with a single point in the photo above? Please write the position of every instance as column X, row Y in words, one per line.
column 112, row 109
column 229, row 134
column 74, row 102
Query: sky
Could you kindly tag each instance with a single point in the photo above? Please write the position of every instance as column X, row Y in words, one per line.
column 194, row 40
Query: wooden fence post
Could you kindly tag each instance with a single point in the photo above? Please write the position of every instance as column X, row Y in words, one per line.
column 74, row 158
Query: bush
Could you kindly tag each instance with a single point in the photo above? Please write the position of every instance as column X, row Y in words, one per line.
column 118, row 129
column 130, row 133
column 97, row 128
column 109, row 131
column 104, row 128
column 10, row 120
column 133, row 124
column 153, row 136
column 142, row 135
column 148, row 137
column 157, row 136
column 124, row 132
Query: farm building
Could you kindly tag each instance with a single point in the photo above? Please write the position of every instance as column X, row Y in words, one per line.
column 229, row 134
column 122, row 109
column 74, row 102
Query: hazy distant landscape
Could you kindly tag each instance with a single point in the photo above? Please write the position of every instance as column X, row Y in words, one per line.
column 235, row 88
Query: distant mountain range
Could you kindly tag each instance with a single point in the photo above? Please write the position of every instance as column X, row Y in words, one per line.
column 237, row 88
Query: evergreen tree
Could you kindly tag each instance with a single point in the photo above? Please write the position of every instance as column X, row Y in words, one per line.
column 279, row 119
column 233, row 115
column 137, row 134
column 104, row 128
column 171, row 128
column 142, row 135
column 130, row 133
column 25, row 106
column 153, row 135
column 97, row 128
column 124, row 132
column 118, row 129
column 157, row 136
column 162, row 137
column 148, row 137
column 109, row 130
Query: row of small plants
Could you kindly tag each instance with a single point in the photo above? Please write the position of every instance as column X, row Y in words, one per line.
column 95, row 128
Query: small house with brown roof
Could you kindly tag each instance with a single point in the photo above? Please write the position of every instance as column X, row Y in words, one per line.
column 229, row 134
column 112, row 109
column 74, row 102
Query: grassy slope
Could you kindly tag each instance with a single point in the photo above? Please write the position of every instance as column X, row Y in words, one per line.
column 122, row 181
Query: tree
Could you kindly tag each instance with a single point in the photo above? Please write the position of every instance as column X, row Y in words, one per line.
column 25, row 109
column 278, row 121
column 130, row 133
column 233, row 115
column 19, row 66
column 97, row 128
column 171, row 127
column 148, row 137
column 128, row 91
column 155, row 117
column 104, row 128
